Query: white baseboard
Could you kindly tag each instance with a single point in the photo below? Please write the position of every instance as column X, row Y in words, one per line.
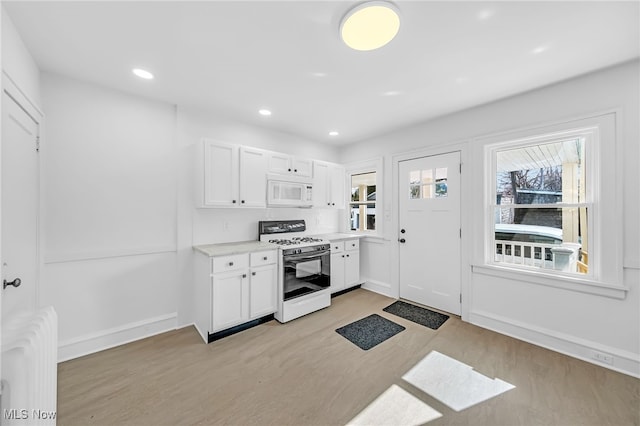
column 96, row 342
column 623, row 361
column 379, row 287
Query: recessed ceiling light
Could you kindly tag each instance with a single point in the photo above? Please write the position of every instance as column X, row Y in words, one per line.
column 142, row 73
column 539, row 49
column 370, row 25
column 319, row 74
column 264, row 112
column 391, row 93
column 485, row 14
column 333, row 133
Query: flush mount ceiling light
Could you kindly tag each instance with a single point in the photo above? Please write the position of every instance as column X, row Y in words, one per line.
column 142, row 73
column 370, row 25
column 264, row 112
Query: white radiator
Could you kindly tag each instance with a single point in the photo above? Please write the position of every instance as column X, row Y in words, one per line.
column 30, row 369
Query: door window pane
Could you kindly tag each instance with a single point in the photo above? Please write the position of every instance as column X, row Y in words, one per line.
column 429, row 183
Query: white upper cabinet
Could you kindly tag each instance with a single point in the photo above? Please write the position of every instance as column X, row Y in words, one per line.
column 234, row 176
column 287, row 164
column 320, row 184
column 220, row 174
column 337, row 186
column 253, row 171
column 328, row 185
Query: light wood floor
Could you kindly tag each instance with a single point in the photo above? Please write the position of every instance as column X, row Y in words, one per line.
column 304, row 373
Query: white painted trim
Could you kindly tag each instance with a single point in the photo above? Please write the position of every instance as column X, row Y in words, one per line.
column 106, row 254
column 606, row 266
column 552, row 280
column 379, row 287
column 365, row 166
column 9, row 85
column 624, row 361
column 116, row 336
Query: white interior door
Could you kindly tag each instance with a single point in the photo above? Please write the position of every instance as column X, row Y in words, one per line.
column 20, row 190
column 429, row 231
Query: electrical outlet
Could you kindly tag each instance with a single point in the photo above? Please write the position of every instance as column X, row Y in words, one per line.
column 602, row 357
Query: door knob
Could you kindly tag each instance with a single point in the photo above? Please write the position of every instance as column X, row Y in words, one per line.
column 15, row 283
column 402, row 240
column 402, row 231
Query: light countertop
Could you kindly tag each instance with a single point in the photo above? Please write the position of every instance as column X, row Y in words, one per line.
column 224, row 249
column 337, row 236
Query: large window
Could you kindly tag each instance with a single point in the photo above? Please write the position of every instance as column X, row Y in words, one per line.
column 362, row 204
column 541, row 210
column 553, row 198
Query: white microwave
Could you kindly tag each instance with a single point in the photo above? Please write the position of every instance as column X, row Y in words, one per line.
column 286, row 191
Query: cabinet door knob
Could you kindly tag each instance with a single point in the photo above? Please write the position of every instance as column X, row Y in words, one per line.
column 242, row 201
column 264, row 258
column 347, row 255
column 295, row 170
column 253, row 273
column 343, row 255
column 230, row 263
column 328, row 204
column 333, row 204
column 234, row 201
column 289, row 170
column 244, row 275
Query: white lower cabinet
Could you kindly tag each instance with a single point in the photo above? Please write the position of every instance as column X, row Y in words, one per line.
column 263, row 291
column 337, row 271
column 228, row 300
column 345, row 264
column 234, row 289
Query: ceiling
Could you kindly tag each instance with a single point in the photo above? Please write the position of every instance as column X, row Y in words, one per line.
column 232, row 58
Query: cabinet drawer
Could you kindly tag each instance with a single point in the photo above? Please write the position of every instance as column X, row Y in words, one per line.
column 352, row 244
column 264, row 257
column 230, row 263
column 337, row 246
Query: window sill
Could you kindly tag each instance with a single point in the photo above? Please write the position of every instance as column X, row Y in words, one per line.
column 564, row 282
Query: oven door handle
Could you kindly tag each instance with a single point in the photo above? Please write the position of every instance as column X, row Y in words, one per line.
column 314, row 255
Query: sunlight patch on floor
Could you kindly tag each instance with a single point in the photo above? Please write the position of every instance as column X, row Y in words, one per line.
column 395, row 407
column 452, row 382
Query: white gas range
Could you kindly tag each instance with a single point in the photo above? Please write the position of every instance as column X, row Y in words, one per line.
column 304, row 267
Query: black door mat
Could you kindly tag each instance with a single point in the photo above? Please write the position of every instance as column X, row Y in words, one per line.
column 369, row 331
column 417, row 314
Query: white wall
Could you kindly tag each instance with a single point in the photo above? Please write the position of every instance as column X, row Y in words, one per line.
column 566, row 321
column 119, row 211
column 110, row 194
column 207, row 226
column 18, row 63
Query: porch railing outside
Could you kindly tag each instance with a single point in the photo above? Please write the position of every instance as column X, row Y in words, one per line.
column 537, row 255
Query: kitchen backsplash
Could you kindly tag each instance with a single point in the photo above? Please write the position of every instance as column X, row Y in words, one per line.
column 228, row 225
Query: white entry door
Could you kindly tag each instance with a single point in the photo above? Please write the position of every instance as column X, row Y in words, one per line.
column 429, row 231
column 20, row 188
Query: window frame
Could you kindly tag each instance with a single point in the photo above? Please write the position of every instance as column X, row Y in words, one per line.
column 368, row 166
column 591, row 137
column 605, row 206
